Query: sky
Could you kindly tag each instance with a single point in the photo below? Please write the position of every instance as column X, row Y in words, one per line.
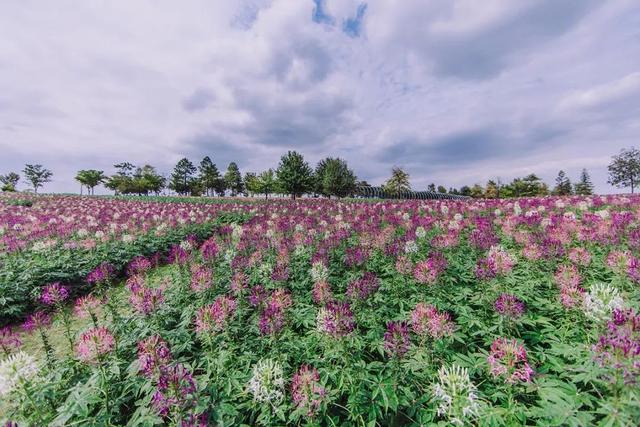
column 455, row 91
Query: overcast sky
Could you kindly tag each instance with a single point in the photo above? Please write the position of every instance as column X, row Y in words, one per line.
column 456, row 92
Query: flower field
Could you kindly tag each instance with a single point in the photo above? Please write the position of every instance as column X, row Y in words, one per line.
column 320, row 312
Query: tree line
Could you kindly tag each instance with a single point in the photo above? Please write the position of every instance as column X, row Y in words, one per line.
column 331, row 177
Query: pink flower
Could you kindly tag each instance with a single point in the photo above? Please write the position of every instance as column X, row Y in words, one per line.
column 363, row 287
column 145, row 300
column 214, row 317
column 336, row 319
column 94, row 344
column 138, row 265
column 404, row 265
column 618, row 349
column 571, row 296
column 508, row 359
column 101, row 274
column 86, row 306
column 306, row 391
column 426, row 320
column 567, row 276
column 580, row 256
column 428, row 271
column 201, row 278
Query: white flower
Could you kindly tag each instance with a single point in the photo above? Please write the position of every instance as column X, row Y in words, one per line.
column 15, row 370
column 455, row 395
column 604, row 214
column 410, row 247
column 421, row 233
column 583, row 205
column 517, row 209
column 406, row 216
column 186, row 245
column 319, row 272
column 127, row 238
column 559, row 204
column 458, row 217
column 601, row 300
column 444, row 209
column 267, row 382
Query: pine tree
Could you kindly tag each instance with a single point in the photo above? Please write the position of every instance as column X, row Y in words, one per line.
column 233, row 179
column 584, row 187
column 398, row 182
column 182, row 178
column 209, row 176
column 563, row 185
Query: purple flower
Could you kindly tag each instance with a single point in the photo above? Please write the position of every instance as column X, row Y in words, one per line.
column 36, row 321
column 618, row 349
column 209, row 250
column 154, row 356
column 396, row 339
column 95, row 343
column 54, row 294
column 214, row 317
column 201, row 278
column 138, row 265
column 429, row 270
column 509, row 306
column 272, row 318
column 508, row 359
column 101, row 274
column 336, row 319
column 175, row 392
column 257, row 296
column 426, row 320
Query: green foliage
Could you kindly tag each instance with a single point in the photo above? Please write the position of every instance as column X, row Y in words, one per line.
column 294, row 175
column 398, row 182
column 266, row 183
column 37, row 175
column 624, row 169
column 584, row 187
column 334, row 178
column 233, row 179
column 136, row 180
column 90, row 178
column 182, row 179
column 210, row 178
column 563, row 185
column 9, row 181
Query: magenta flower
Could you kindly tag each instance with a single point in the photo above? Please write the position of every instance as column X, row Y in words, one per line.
column 572, row 296
column 101, row 274
column 306, row 391
column 36, row 321
column 178, row 255
column 272, row 318
column 508, row 359
column 145, row 300
column 9, row 340
column 509, row 306
column 154, row 356
column 94, row 344
column 214, row 317
column 618, row 349
column 426, row 320
column 53, row 294
column 404, row 265
column 396, row 339
column 336, row 319
column 364, row 287
column 580, row 256
column 257, row 296
column 567, row 276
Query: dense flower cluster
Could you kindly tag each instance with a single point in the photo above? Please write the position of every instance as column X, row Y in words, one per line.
column 9, row 340
column 508, row 359
column 364, row 287
column 37, row 320
column 101, row 274
column 273, row 316
column 396, row 339
column 426, row 320
column 154, row 356
column 175, row 392
column 601, row 301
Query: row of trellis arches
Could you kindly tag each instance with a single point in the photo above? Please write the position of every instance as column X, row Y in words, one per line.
column 380, row 193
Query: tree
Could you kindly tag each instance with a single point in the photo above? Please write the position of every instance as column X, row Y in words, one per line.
column 90, row 178
column 334, row 178
column 491, row 190
column 251, row 183
column 209, row 176
column 431, row 187
column 465, row 190
column 477, row 192
column 233, row 179
column 266, row 183
column 398, row 182
column 147, row 180
column 37, row 175
column 563, row 185
column 9, row 181
column 182, row 179
column 442, row 189
column 584, row 187
column 294, row 175
column 624, row 170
